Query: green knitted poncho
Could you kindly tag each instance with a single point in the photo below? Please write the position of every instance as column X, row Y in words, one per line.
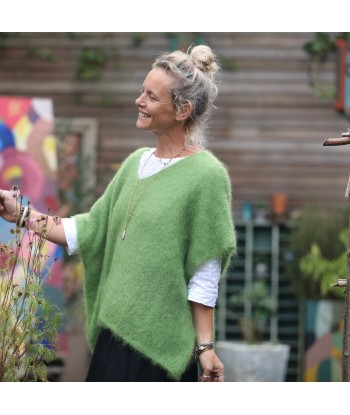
column 137, row 287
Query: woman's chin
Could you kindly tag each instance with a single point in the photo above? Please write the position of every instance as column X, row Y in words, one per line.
column 141, row 125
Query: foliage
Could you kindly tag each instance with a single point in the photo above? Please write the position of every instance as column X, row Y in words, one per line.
column 33, row 51
column 262, row 305
column 324, row 271
column 320, row 47
column 315, row 237
column 91, row 64
column 28, row 322
column 138, row 38
column 228, row 65
column 320, row 50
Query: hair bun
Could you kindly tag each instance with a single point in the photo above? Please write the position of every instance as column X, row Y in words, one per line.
column 204, row 59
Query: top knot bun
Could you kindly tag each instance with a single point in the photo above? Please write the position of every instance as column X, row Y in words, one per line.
column 204, row 59
column 194, row 83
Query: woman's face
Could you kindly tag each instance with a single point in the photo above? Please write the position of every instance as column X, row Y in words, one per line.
column 156, row 109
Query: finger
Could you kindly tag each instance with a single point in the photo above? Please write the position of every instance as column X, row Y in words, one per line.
column 3, row 194
column 219, row 378
column 205, row 378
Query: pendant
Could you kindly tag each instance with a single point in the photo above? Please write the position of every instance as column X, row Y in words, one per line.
column 123, row 234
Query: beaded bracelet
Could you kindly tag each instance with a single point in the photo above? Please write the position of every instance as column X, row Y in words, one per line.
column 25, row 212
column 202, row 348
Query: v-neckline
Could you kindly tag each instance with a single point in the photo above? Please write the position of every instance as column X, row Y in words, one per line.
column 183, row 159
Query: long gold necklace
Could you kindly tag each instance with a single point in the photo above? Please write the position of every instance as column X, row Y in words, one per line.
column 129, row 212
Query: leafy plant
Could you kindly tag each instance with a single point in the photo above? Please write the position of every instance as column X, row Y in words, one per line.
column 317, row 247
column 33, row 51
column 320, row 47
column 324, row 271
column 319, row 50
column 91, row 64
column 263, row 306
column 138, row 38
column 28, row 322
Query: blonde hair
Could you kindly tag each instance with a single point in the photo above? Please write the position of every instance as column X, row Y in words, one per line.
column 195, row 71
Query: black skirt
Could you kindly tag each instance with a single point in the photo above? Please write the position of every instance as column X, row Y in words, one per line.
column 114, row 361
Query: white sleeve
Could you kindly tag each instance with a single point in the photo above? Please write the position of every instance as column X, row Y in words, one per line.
column 204, row 285
column 70, row 230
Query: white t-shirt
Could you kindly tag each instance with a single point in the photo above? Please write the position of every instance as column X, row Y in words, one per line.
column 203, row 286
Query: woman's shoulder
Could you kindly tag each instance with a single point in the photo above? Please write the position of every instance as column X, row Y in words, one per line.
column 208, row 175
column 210, row 164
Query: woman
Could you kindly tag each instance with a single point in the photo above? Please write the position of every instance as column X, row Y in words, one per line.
column 155, row 244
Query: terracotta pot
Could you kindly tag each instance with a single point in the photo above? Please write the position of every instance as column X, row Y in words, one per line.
column 279, row 203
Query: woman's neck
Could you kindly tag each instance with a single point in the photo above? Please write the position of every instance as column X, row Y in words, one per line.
column 171, row 148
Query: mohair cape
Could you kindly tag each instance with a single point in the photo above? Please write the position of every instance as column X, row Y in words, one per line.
column 137, row 287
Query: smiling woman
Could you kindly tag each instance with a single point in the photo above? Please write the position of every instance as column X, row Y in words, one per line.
column 156, row 243
column 156, row 108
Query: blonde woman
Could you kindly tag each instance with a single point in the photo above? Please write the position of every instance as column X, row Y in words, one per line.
column 156, row 243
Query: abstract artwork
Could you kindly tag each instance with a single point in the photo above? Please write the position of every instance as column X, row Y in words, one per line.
column 28, row 159
column 323, row 341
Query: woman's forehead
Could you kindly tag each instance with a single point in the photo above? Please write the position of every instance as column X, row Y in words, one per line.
column 158, row 80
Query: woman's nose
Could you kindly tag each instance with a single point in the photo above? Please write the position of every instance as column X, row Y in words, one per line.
column 139, row 101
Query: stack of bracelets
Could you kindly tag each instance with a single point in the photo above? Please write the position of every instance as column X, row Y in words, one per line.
column 24, row 215
column 202, row 348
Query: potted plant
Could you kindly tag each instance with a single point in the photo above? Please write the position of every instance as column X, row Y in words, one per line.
column 262, row 307
column 253, row 359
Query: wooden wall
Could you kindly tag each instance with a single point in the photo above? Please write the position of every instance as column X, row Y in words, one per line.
column 268, row 127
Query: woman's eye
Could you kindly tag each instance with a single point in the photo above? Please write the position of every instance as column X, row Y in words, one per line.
column 149, row 96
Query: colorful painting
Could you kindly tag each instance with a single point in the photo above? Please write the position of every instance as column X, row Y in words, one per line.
column 28, row 159
column 323, row 341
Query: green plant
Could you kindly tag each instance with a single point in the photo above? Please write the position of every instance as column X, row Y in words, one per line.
column 28, row 322
column 323, row 271
column 33, row 51
column 319, row 50
column 138, row 38
column 91, row 64
column 320, row 47
column 263, row 306
column 318, row 251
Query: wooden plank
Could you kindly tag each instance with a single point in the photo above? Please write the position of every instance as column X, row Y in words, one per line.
column 268, row 127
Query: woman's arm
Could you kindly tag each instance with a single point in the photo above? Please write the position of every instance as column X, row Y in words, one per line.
column 54, row 228
column 212, row 367
column 204, row 285
column 9, row 210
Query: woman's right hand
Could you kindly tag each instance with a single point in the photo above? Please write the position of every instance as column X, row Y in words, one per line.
column 9, row 205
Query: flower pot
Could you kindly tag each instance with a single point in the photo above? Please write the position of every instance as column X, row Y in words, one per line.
column 265, row 362
column 279, row 204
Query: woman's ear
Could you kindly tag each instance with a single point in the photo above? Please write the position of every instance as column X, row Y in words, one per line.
column 185, row 112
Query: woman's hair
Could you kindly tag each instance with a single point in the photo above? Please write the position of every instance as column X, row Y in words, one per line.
column 196, row 73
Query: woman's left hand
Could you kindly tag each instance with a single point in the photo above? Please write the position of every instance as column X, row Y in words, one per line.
column 212, row 367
